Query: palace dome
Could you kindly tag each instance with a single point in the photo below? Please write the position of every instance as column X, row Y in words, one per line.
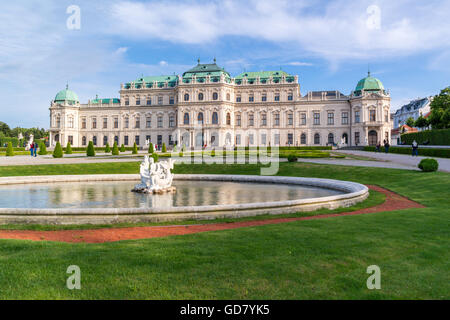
column 369, row 83
column 67, row 95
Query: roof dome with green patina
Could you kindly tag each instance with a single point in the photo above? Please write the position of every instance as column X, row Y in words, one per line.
column 369, row 83
column 67, row 95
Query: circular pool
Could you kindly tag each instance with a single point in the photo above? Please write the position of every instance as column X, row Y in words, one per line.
column 97, row 199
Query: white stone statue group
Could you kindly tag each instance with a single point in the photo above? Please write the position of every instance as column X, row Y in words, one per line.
column 155, row 177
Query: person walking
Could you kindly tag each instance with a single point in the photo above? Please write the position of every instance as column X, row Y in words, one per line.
column 386, row 146
column 378, row 149
column 415, row 148
column 35, row 149
column 31, row 148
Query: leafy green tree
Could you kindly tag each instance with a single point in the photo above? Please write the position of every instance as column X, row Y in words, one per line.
column 135, row 149
column 122, row 148
column 164, row 149
column 115, row 150
column 440, row 110
column 410, row 122
column 9, row 150
column 90, row 151
column 151, row 149
column 5, row 129
column 68, row 148
column 42, row 149
column 58, row 152
column 421, row 122
column 107, row 148
column 155, row 156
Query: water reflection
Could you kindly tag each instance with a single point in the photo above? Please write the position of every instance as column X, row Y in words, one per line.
column 118, row 194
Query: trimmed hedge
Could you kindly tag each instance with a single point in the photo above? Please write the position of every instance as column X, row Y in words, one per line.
column 115, row 149
column 428, row 165
column 58, row 152
column 434, row 137
column 14, row 141
column 9, row 150
column 68, row 148
column 3, row 149
column 90, row 152
column 427, row 152
column 42, row 149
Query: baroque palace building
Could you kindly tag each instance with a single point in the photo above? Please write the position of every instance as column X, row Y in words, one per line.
column 207, row 107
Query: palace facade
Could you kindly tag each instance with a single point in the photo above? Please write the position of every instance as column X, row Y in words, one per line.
column 207, row 107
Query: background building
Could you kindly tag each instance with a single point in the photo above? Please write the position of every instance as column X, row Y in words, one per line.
column 207, row 107
column 414, row 110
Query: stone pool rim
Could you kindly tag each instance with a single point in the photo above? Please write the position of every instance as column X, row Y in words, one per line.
column 353, row 193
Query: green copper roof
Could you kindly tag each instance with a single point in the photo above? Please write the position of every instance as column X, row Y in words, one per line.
column 66, row 95
column 149, row 81
column 264, row 76
column 200, row 71
column 105, row 101
column 369, row 84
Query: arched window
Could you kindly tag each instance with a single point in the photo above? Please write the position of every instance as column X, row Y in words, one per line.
column 317, row 138
column 345, row 138
column 228, row 97
column 303, row 138
column 331, row 138
column 185, row 139
column 215, row 118
column 215, row 96
column 186, row 97
column 94, row 140
column 200, row 118
column 228, row 119
column 83, row 141
column 105, row 140
column 186, row 118
column 200, row 97
column 199, row 140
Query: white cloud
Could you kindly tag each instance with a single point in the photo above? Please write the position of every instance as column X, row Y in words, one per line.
column 299, row 64
column 163, row 63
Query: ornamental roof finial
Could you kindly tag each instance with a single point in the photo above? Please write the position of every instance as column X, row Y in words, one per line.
column 198, row 60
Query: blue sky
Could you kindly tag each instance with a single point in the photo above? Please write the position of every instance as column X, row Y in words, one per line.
column 328, row 44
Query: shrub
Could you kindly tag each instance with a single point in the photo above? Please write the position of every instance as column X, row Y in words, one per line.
column 151, row 149
column 175, row 148
column 213, row 152
column 122, row 148
column 181, row 154
column 292, row 158
column 135, row 149
column 90, row 151
column 58, row 152
column 68, row 148
column 155, row 157
column 42, row 149
column 9, row 150
column 164, row 149
column 115, row 150
column 428, row 165
column 107, row 148
column 433, row 137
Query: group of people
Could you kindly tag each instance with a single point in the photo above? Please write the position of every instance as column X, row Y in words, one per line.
column 414, row 145
column 386, row 146
column 33, row 149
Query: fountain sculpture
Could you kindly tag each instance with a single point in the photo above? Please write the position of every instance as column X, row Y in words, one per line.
column 155, row 176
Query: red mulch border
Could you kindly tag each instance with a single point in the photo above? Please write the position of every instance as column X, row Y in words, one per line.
column 393, row 202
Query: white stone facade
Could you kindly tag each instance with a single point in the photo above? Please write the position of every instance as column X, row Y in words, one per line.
column 224, row 112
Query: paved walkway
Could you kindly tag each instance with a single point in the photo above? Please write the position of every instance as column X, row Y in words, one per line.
column 70, row 159
column 360, row 163
column 393, row 202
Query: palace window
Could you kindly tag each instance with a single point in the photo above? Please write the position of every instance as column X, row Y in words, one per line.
column 83, row 123
column 228, row 119
column 200, row 97
column 277, row 139
column 105, row 140
column 357, row 116
column 105, row 123
column 330, row 138
column 277, row 97
column 70, row 139
column 317, row 138
column 238, row 99
column 344, row 117
column 215, row 118
column 136, row 139
column 290, row 139
column 58, row 121
column 127, row 102
column 160, row 100
column 290, row 119
column 125, row 140
column 263, row 120
column 251, row 120
column 215, row 96
column 386, row 116
column 94, row 123
column 303, row 138
column 83, row 141
column 170, row 140
column 228, row 97
column 250, row 139
column 94, row 140
column 160, row 121
column 238, row 139
column 186, row 118
column 276, row 119
column 70, row 122
column 116, row 123
column 357, row 138
column 137, row 123
column 264, row 97
column 330, row 118
column 148, row 122
column 116, row 139
column 171, row 121
column 290, row 97
column 316, row 118
column 138, row 101
column 149, row 101
column 303, row 119
column 186, row 97
column 200, row 118
column 263, row 139
column 127, row 123
column 372, row 115
column 238, row 120
column 251, row 98
column 171, row 100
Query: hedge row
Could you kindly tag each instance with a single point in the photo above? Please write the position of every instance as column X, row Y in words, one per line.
column 96, row 149
column 428, row 152
column 3, row 149
column 14, row 141
column 434, row 137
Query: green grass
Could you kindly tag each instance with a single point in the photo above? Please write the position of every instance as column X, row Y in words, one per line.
column 315, row 259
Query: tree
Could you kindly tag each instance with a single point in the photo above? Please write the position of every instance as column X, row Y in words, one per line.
column 164, row 149
column 421, row 122
column 122, row 148
column 9, row 150
column 115, row 150
column 5, row 129
column 155, row 157
column 107, row 148
column 90, row 151
column 440, row 110
column 410, row 122
column 58, row 152
column 150, row 148
column 42, row 149
column 68, row 148
column 135, row 149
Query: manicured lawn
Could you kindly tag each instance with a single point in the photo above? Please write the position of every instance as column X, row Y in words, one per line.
column 316, row 259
